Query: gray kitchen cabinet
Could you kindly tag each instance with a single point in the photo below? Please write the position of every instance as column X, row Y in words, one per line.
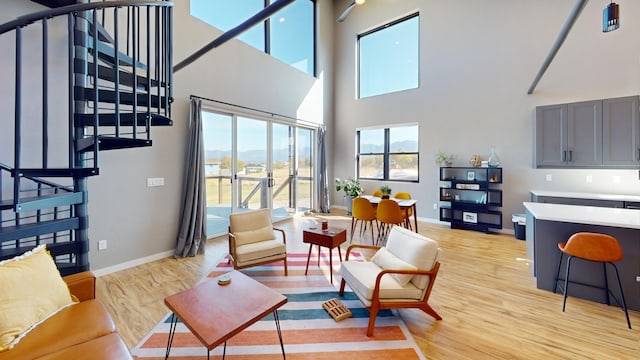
column 588, row 134
column 569, row 135
column 621, row 132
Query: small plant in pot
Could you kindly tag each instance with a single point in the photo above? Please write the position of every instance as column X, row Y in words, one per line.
column 386, row 191
column 352, row 189
column 444, row 159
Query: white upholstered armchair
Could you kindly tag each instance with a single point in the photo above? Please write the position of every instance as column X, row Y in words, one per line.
column 399, row 275
column 254, row 241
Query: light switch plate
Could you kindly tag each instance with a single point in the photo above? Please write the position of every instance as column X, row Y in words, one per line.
column 155, row 182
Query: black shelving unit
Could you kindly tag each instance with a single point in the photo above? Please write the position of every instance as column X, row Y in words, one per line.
column 474, row 201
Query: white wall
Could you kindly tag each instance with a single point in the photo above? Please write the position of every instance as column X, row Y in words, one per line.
column 477, row 61
column 140, row 222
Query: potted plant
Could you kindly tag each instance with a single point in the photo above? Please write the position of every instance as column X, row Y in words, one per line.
column 352, row 189
column 444, row 159
column 386, row 191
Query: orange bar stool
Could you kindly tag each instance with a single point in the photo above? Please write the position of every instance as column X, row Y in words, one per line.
column 592, row 247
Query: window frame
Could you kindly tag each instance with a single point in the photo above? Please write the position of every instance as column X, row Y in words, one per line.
column 377, row 29
column 387, row 153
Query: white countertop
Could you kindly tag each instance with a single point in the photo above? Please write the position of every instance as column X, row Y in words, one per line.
column 580, row 195
column 616, row 217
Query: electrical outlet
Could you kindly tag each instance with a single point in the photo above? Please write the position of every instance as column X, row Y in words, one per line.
column 616, row 179
column 589, row 178
column 548, row 177
column 155, row 182
column 435, row 206
column 102, row 245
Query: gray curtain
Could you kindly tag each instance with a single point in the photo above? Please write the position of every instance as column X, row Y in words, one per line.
column 321, row 175
column 192, row 234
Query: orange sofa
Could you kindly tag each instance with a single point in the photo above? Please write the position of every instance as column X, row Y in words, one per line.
column 81, row 331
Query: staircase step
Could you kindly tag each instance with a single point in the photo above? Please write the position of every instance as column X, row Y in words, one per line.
column 56, row 249
column 59, row 172
column 9, row 233
column 111, row 143
column 109, row 96
column 109, row 74
column 126, row 119
column 48, row 201
column 103, row 34
column 105, row 51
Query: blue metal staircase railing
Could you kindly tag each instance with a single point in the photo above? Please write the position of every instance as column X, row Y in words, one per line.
column 118, row 78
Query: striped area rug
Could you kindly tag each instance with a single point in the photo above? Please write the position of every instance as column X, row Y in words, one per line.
column 308, row 331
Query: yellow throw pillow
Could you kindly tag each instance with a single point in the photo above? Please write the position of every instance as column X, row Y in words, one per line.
column 31, row 290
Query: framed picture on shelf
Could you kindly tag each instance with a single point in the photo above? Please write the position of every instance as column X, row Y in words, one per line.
column 469, row 217
column 471, row 175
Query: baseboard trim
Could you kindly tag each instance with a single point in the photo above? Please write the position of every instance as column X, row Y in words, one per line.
column 132, row 263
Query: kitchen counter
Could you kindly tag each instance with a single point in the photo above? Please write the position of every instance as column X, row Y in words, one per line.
column 592, row 215
column 581, row 195
column 547, row 224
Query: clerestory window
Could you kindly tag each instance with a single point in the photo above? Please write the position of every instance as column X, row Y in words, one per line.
column 388, row 57
column 288, row 35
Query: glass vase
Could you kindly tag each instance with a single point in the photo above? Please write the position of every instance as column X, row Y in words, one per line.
column 494, row 160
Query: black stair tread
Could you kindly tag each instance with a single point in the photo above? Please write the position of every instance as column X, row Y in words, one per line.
column 109, row 73
column 126, row 119
column 111, row 143
column 59, row 172
column 49, row 201
column 56, row 249
column 106, row 52
column 103, row 34
column 109, row 96
column 9, row 203
column 23, row 231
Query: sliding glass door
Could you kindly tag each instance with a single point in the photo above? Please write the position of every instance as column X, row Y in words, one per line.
column 253, row 163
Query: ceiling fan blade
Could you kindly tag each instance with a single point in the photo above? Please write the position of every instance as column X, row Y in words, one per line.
column 347, row 11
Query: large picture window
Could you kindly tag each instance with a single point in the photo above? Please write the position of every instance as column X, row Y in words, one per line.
column 388, row 57
column 388, row 153
column 289, row 35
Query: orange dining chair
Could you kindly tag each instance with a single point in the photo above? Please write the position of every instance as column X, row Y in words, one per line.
column 592, row 247
column 388, row 214
column 409, row 212
column 377, row 193
column 364, row 212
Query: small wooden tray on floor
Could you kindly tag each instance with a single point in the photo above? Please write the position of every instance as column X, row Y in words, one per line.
column 336, row 309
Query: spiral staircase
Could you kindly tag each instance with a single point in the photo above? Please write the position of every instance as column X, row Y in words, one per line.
column 85, row 78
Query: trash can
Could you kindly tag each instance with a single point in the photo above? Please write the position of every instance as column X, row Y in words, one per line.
column 519, row 226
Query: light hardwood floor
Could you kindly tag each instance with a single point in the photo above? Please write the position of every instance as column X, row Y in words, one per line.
column 484, row 293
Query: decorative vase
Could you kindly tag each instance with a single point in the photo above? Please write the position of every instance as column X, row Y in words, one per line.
column 494, row 160
column 385, row 196
column 348, row 203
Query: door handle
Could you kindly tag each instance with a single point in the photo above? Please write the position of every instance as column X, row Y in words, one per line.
column 570, row 155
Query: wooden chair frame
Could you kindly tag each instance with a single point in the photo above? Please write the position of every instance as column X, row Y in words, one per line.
column 232, row 253
column 377, row 304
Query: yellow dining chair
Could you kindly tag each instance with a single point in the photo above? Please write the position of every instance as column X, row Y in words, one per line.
column 377, row 193
column 407, row 216
column 388, row 214
column 364, row 212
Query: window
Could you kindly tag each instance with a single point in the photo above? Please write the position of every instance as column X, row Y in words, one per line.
column 289, row 35
column 388, row 57
column 388, row 153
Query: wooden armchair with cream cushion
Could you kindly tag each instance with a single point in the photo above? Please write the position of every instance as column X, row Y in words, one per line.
column 254, row 241
column 399, row 275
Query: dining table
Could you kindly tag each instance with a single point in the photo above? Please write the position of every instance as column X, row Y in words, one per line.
column 405, row 205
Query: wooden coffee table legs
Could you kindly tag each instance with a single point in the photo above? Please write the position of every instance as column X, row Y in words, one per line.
column 174, row 322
